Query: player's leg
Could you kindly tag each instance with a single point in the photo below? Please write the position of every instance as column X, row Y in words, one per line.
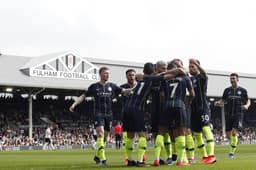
column 100, row 142
column 231, row 135
column 158, row 148
column 100, row 154
column 236, row 126
column 139, row 127
column 128, row 136
column 130, row 127
column 116, row 141
column 233, row 142
column 163, row 140
column 174, row 153
column 179, row 133
column 159, row 143
column 209, row 139
column 168, row 148
column 196, row 127
column 200, row 144
column 129, row 145
column 46, row 142
column 180, row 144
column 124, row 139
column 210, row 144
column 190, row 146
column 51, row 145
column 119, row 142
column 142, row 146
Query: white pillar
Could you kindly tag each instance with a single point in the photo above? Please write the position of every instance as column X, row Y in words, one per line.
column 30, row 112
column 223, row 121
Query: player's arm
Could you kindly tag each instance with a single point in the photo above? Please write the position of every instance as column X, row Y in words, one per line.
column 202, row 71
column 127, row 91
column 169, row 74
column 191, row 94
column 139, row 76
column 247, row 105
column 219, row 103
column 173, row 72
column 78, row 100
column 248, row 102
column 120, row 90
column 189, row 97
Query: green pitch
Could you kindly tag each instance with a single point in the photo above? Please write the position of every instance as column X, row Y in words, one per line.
column 245, row 159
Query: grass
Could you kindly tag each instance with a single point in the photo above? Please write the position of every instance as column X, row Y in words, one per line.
column 245, row 159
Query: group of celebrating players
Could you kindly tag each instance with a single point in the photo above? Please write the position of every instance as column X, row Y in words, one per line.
column 179, row 107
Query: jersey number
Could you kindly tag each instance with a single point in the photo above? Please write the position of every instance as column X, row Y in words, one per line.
column 174, row 87
column 205, row 118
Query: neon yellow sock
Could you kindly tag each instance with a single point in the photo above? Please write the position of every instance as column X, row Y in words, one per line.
column 210, row 139
column 190, row 146
column 129, row 148
column 200, row 143
column 185, row 158
column 124, row 141
column 124, row 136
column 158, row 146
column 180, row 144
column 167, row 145
column 162, row 154
column 142, row 146
column 97, row 151
column 101, row 149
column 233, row 144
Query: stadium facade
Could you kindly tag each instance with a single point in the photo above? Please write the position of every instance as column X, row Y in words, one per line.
column 69, row 71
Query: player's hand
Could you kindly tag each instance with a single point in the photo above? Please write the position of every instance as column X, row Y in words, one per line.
column 72, row 108
column 218, row 103
column 182, row 71
column 139, row 76
column 244, row 108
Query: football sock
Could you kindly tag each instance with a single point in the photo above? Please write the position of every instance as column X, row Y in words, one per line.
column 101, row 149
column 180, row 144
column 124, row 141
column 162, row 154
column 200, row 143
column 129, row 148
column 167, row 145
column 142, row 146
column 210, row 139
column 190, row 146
column 185, row 158
column 158, row 146
column 233, row 144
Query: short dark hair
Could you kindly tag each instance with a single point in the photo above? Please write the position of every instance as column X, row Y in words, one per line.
column 234, row 74
column 130, row 70
column 103, row 68
column 176, row 59
column 148, row 68
column 171, row 65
